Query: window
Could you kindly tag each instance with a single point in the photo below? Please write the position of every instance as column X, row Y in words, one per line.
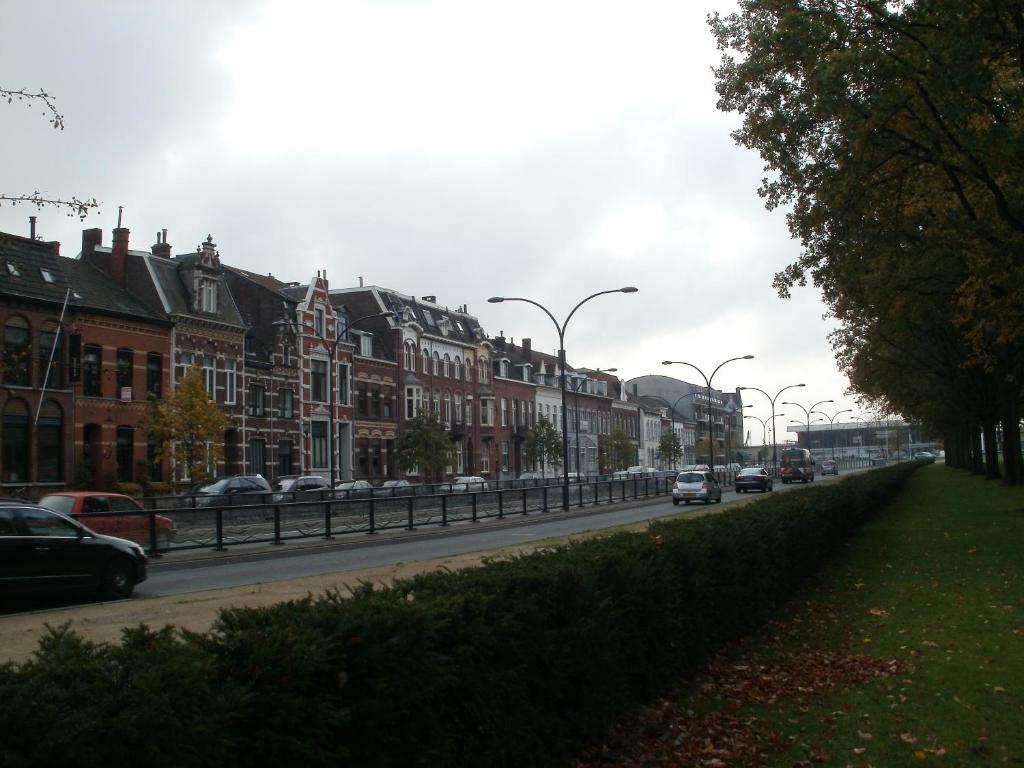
column 504, row 457
column 486, row 412
column 208, row 296
column 50, row 445
column 436, row 408
column 412, row 401
column 17, row 349
column 125, row 454
column 481, row 375
column 385, row 404
column 318, row 322
column 230, row 381
column 185, row 361
column 410, row 356
column 210, row 376
column 504, row 412
column 503, row 368
column 343, row 384
column 51, row 348
column 318, row 381
column 124, row 370
column 457, row 370
column 91, row 359
column 469, row 411
column 319, row 436
column 287, row 404
column 257, row 456
column 284, row 458
column 366, row 345
column 426, row 361
column 447, row 366
column 154, row 374
column 485, row 460
column 256, row 395
column 437, row 364
column 447, row 407
column 458, row 409
column 15, row 443
column 459, row 459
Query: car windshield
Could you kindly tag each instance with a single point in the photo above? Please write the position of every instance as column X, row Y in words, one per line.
column 284, row 485
column 690, row 477
column 58, row 503
column 750, row 472
column 218, row 486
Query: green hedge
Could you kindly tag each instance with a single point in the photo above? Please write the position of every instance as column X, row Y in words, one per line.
column 514, row 663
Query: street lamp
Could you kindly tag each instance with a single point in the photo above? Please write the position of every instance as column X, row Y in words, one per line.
column 807, row 413
column 707, row 380
column 831, row 423
column 577, row 383
column 775, row 446
column 332, row 346
column 561, row 363
column 672, row 412
column 764, row 425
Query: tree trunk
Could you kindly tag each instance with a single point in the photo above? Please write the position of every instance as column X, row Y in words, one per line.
column 1013, row 462
column 991, row 449
column 977, row 463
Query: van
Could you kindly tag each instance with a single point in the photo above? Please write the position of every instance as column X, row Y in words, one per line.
column 796, row 465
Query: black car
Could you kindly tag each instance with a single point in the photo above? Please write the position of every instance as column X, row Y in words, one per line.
column 42, row 551
column 229, row 491
column 753, row 478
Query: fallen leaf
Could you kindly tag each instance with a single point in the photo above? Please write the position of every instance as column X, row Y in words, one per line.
column 865, row 735
column 920, row 754
column 909, row 738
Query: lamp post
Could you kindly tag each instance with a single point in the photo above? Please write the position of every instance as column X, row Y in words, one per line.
column 775, row 446
column 806, row 424
column 707, row 381
column 867, row 426
column 332, row 347
column 672, row 412
column 576, row 408
column 807, row 413
column 831, row 423
column 764, row 426
column 561, row 364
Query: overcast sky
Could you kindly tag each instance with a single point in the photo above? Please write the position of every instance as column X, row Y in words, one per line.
column 459, row 149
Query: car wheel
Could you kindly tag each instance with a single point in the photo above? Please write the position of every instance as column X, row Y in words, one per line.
column 675, row 502
column 118, row 580
column 707, row 501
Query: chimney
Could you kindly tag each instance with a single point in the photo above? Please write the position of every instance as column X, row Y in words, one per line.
column 499, row 341
column 91, row 239
column 119, row 255
column 32, row 227
column 527, row 351
column 161, row 247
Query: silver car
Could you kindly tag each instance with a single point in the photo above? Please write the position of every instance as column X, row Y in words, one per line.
column 696, row 486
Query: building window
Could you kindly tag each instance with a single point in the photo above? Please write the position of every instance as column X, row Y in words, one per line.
column 447, row 366
column 256, row 399
column 385, row 404
column 257, row 456
column 91, row 358
column 318, row 381
column 366, row 345
column 485, row 459
column 459, row 459
column 410, row 356
column 458, row 408
column 343, row 384
column 437, row 364
column 50, row 445
column 210, row 376
column 284, row 458
column 51, row 357
column 504, row 457
column 17, row 351
column 413, row 403
column 154, row 374
column 125, row 454
column 152, row 450
column 504, row 412
column 457, row 369
column 185, row 360
column 447, row 407
column 319, row 437
column 124, row 370
column 287, row 404
column 318, row 322
column 469, row 411
column 15, row 444
column 230, row 381
column 426, row 361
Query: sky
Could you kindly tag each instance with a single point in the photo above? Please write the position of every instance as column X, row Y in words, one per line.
column 461, row 149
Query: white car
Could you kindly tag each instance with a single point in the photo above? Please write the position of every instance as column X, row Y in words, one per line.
column 469, row 484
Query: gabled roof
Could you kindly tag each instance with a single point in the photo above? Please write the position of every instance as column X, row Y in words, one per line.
column 432, row 317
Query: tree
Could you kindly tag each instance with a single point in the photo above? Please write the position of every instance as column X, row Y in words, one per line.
column 704, row 448
column 74, row 206
column 543, row 445
column 188, row 428
column 425, row 445
column 619, row 450
column 670, row 447
column 893, row 132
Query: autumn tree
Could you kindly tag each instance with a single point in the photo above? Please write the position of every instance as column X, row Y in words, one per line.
column 670, row 448
column 188, row 428
column 892, row 133
column 425, row 445
column 73, row 206
column 543, row 445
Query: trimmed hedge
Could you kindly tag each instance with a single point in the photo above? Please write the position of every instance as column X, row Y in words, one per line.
column 517, row 662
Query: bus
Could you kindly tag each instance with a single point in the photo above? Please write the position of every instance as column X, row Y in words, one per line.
column 796, row 465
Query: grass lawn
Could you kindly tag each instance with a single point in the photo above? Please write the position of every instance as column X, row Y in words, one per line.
column 907, row 650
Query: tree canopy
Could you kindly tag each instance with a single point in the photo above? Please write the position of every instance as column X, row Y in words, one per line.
column 543, row 445
column 425, row 445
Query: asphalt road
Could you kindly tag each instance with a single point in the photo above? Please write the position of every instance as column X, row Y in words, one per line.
column 240, row 566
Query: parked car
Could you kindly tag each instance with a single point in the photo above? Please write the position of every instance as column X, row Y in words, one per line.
column 926, row 456
column 829, row 467
column 295, row 487
column 232, row 490
column 112, row 514
column 470, row 484
column 753, row 478
column 395, row 488
column 696, row 486
column 354, row 489
column 733, row 467
column 42, row 551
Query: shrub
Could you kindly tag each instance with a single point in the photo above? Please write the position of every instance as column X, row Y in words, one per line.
column 129, row 489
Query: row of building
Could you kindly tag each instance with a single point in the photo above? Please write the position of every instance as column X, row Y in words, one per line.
column 314, row 379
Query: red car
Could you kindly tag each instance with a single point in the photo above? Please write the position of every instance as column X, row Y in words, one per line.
column 112, row 514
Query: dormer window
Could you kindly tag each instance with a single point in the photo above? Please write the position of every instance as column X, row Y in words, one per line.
column 207, row 295
column 47, row 274
column 503, row 368
column 12, row 269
